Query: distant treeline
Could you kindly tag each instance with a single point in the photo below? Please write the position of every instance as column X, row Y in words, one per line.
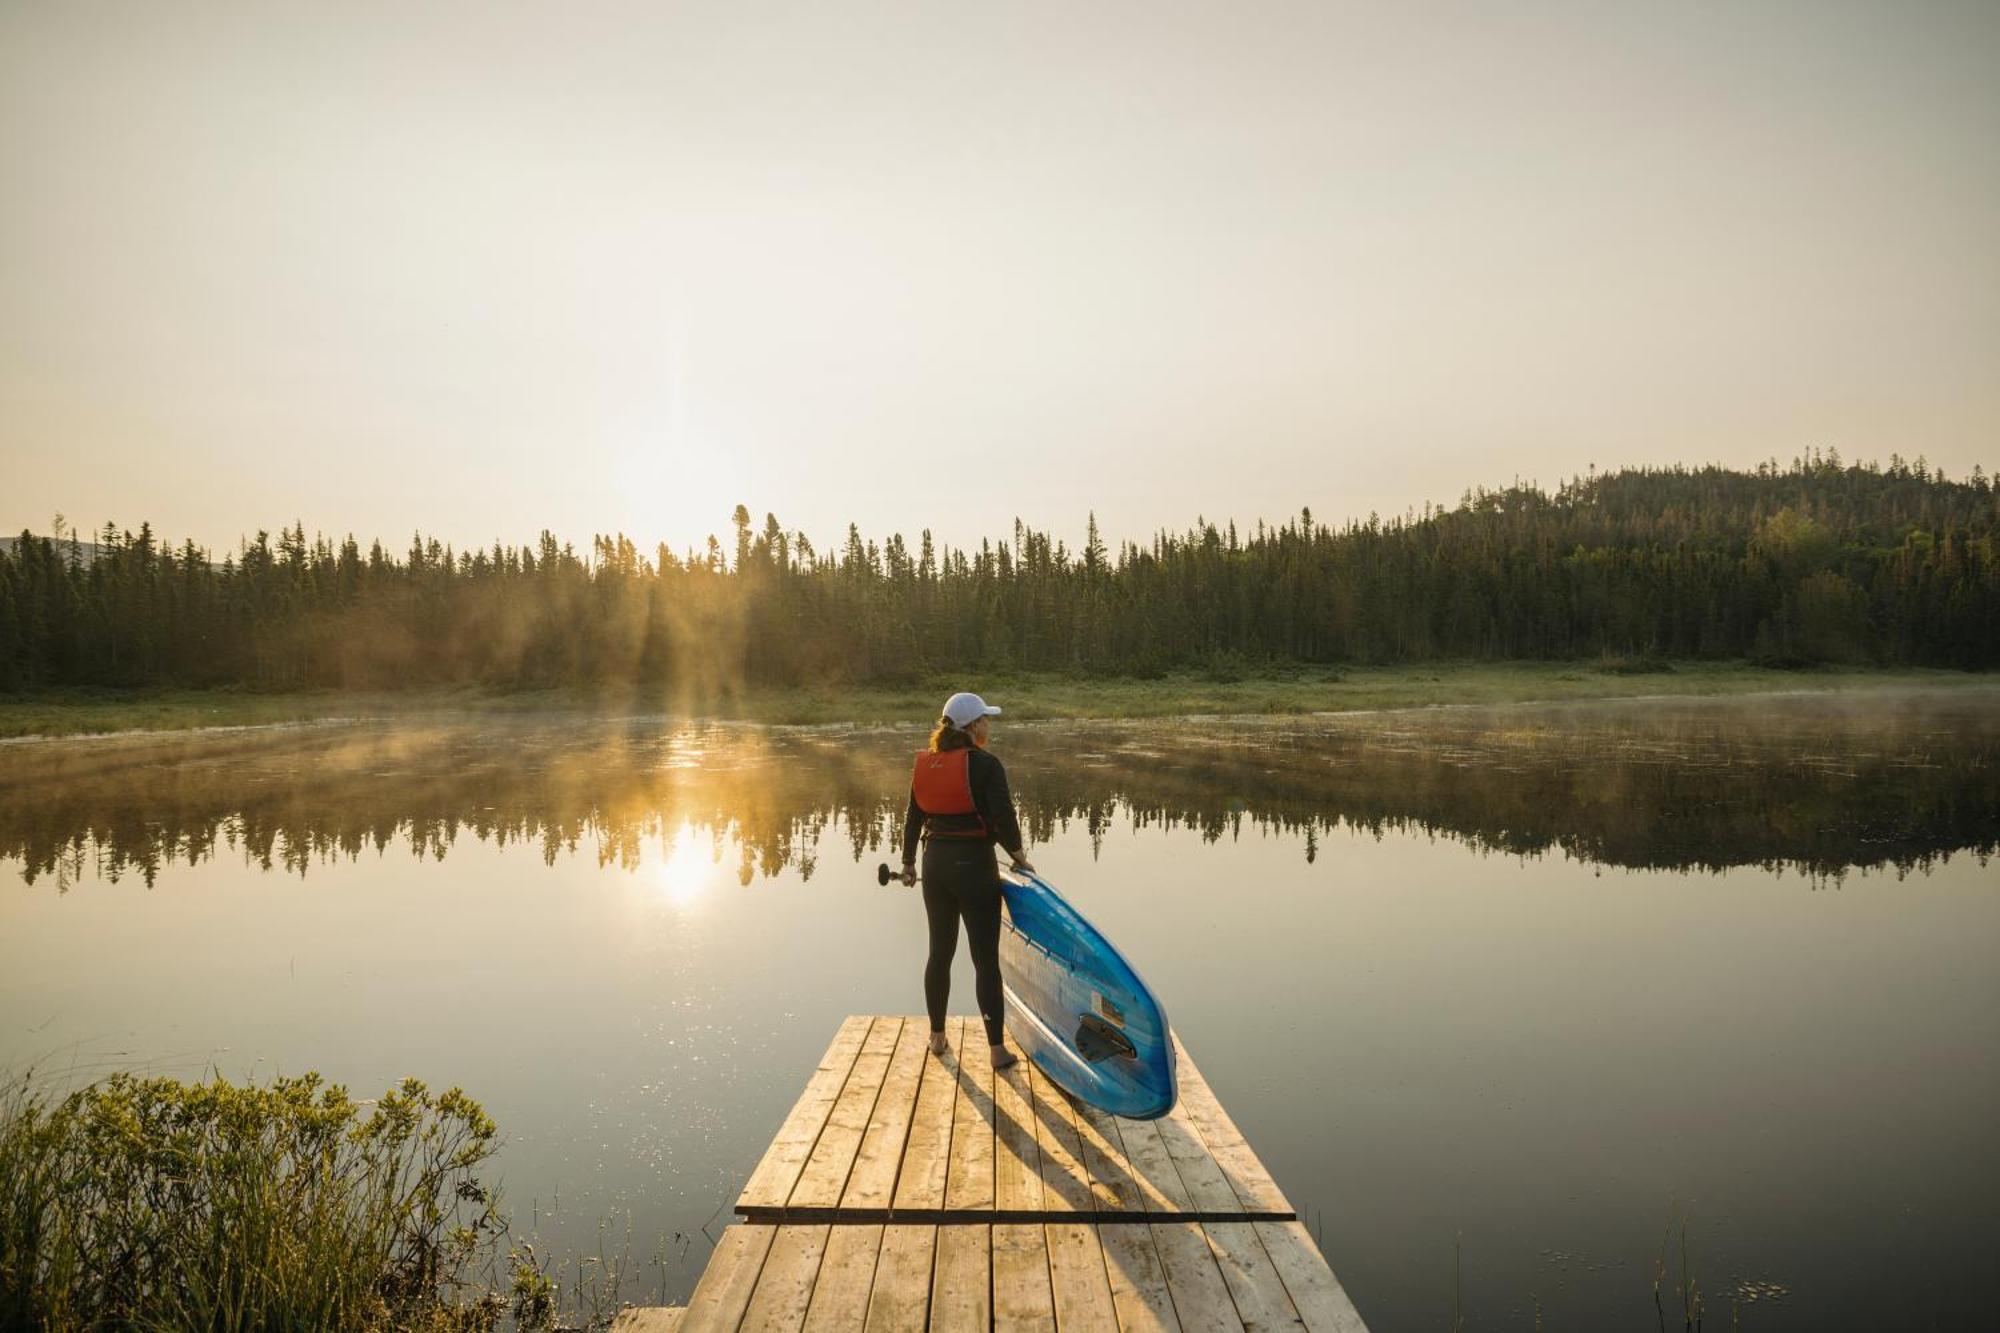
column 1814, row 562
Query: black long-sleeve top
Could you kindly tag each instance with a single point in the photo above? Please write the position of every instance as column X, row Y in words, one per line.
column 990, row 797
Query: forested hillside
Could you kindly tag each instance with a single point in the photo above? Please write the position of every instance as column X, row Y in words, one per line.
column 1815, row 562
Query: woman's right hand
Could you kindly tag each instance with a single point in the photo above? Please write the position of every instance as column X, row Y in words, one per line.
column 909, row 877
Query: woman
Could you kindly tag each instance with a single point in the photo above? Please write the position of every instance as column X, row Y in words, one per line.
column 959, row 802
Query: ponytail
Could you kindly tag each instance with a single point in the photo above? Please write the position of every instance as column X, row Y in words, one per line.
column 948, row 737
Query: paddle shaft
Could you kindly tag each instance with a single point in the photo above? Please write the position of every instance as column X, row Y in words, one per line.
column 883, row 874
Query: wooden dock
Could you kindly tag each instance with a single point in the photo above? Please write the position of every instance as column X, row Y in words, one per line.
column 907, row 1192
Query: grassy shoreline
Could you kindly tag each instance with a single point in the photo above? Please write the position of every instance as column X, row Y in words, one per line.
column 58, row 714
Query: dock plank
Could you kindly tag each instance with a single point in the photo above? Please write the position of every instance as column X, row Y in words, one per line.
column 785, row 1287
column 1017, row 1161
column 1208, row 1189
column 1138, row 1285
column 1200, row 1296
column 723, row 1293
column 846, row 1278
column 649, row 1319
column 871, row 1185
column 1077, row 1278
column 969, row 1178
column 900, row 1301
column 1248, row 1179
column 771, row 1183
column 824, row 1176
column 1112, row 1185
column 1065, row 1182
column 1316, row 1293
column 962, row 1280
column 1262, row 1302
column 927, row 1147
column 1022, row 1299
column 1154, row 1174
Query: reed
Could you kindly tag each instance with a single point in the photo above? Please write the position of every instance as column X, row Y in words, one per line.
column 1694, row 1309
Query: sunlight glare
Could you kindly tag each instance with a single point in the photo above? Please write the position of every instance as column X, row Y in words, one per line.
column 688, row 870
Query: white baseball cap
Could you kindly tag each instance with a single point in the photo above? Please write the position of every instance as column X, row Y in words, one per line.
column 962, row 709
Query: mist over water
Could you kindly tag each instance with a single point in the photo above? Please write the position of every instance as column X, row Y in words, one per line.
column 1536, row 975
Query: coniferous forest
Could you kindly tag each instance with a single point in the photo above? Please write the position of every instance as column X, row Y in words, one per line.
column 1814, row 562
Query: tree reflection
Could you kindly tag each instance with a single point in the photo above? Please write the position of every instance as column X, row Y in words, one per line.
column 1816, row 783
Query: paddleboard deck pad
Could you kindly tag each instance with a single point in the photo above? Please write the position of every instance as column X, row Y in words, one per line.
column 1078, row 1009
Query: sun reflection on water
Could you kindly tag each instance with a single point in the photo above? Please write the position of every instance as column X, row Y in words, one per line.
column 688, row 869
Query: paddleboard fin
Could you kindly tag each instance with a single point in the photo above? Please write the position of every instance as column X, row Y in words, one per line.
column 1098, row 1040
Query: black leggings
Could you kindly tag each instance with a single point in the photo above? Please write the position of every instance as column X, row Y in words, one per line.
column 962, row 879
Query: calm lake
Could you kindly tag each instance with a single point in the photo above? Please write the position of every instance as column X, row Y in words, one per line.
column 1511, row 990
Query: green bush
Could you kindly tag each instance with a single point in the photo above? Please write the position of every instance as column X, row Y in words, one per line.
column 148, row 1203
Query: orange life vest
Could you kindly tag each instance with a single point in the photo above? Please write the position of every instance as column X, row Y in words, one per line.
column 942, row 786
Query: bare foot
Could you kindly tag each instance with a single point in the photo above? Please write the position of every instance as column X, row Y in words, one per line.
column 939, row 1046
column 1003, row 1058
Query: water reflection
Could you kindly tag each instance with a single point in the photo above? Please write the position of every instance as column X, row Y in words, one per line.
column 1423, row 958
column 1815, row 783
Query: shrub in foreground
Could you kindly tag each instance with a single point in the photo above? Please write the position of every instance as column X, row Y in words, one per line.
column 149, row 1203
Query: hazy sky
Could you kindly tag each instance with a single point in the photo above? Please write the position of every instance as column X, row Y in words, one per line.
column 485, row 268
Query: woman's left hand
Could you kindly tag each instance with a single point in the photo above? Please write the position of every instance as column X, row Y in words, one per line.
column 909, row 877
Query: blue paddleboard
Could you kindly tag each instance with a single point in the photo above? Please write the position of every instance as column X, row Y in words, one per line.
column 1078, row 1009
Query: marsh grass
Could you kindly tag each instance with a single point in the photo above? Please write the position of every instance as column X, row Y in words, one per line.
column 1687, row 1289
column 585, row 1293
column 1674, row 1294
column 1620, row 664
column 153, row 1204
column 1457, row 1284
column 1228, row 686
